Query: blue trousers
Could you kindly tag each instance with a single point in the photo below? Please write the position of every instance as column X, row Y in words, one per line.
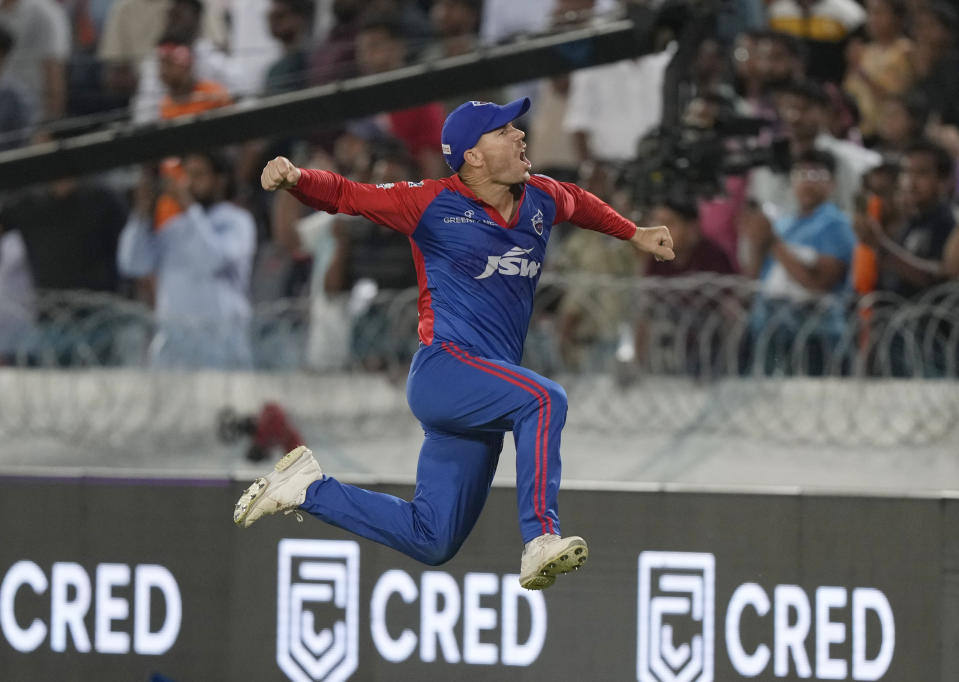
column 465, row 404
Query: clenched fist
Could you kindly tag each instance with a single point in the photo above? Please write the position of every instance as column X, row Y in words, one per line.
column 654, row 240
column 280, row 173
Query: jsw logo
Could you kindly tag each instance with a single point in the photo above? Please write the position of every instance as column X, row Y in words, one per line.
column 511, row 263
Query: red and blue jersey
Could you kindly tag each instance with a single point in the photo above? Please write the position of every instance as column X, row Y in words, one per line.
column 477, row 272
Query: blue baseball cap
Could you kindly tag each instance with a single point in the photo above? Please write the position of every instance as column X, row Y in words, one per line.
column 468, row 122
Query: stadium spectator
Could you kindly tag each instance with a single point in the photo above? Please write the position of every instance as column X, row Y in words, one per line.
column 694, row 251
column 290, row 22
column 381, row 46
column 825, row 27
column 556, row 150
column 719, row 209
column 883, row 65
column 15, row 111
column 803, row 108
column 131, row 31
column 900, row 122
column 335, row 57
column 612, row 106
column 588, row 317
column 310, row 238
column 202, row 260
column 780, row 58
column 877, row 210
column 455, row 26
column 747, row 76
column 17, row 298
column 804, row 255
column 693, row 309
column 185, row 93
column 936, row 59
column 245, row 30
column 209, row 62
column 920, row 252
column 504, row 19
column 709, row 72
column 69, row 230
column 38, row 61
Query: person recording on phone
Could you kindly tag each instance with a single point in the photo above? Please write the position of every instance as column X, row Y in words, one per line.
column 201, row 258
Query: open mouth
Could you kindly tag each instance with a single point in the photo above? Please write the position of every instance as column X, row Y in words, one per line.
column 522, row 157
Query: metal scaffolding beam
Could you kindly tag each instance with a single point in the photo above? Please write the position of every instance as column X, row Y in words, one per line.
column 300, row 111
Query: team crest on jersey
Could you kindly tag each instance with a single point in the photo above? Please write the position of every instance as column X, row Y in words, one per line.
column 537, row 221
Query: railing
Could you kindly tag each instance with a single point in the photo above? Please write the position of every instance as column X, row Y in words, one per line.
column 703, row 353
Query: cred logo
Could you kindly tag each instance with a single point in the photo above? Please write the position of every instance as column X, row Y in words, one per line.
column 675, row 595
column 676, row 628
column 318, row 583
column 513, row 262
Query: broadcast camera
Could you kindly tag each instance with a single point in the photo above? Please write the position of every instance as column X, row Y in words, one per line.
column 691, row 158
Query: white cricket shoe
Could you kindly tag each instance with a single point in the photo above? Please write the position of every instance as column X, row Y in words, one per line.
column 283, row 490
column 548, row 556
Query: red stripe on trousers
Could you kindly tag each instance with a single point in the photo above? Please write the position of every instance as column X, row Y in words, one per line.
column 461, row 355
column 539, row 480
column 545, row 447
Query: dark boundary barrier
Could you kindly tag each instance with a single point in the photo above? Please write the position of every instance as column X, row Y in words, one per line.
column 111, row 580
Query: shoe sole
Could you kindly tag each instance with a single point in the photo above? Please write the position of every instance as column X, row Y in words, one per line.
column 256, row 489
column 571, row 558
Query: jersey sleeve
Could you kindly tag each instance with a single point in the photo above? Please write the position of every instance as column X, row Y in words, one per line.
column 584, row 209
column 398, row 206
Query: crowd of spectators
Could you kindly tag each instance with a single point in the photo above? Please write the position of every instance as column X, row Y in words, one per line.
column 850, row 186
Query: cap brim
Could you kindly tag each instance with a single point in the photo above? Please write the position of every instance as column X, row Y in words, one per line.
column 508, row 112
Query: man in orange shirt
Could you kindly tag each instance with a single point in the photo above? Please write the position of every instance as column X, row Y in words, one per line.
column 186, row 95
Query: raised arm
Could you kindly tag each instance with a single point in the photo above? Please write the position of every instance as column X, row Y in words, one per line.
column 398, row 206
column 584, row 209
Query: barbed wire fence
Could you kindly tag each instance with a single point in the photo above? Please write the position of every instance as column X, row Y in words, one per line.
column 702, row 354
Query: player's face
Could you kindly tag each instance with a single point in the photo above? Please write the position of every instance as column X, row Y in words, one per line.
column 504, row 153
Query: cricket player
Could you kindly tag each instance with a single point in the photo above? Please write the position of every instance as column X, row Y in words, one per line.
column 478, row 239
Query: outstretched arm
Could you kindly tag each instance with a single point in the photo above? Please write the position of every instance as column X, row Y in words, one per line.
column 586, row 210
column 398, row 206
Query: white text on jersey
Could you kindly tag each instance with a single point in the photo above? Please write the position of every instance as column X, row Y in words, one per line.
column 511, row 263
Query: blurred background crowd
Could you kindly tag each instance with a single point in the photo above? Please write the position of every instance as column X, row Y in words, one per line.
column 802, row 152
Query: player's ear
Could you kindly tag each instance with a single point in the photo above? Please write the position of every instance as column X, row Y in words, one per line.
column 473, row 157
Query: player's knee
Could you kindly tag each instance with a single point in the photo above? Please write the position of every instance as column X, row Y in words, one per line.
column 439, row 552
column 557, row 396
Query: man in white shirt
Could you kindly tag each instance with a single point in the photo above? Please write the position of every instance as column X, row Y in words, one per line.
column 41, row 48
column 209, row 63
column 611, row 107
